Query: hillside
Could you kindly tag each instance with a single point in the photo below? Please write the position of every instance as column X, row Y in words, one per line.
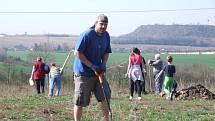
column 25, row 42
column 191, row 35
column 149, row 38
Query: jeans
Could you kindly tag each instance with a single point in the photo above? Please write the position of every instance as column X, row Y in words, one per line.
column 57, row 81
column 158, row 83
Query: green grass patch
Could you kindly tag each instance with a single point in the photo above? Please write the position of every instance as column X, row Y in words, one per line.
column 117, row 58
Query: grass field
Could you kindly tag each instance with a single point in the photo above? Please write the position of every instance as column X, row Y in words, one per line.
column 25, row 107
column 20, row 103
column 117, row 58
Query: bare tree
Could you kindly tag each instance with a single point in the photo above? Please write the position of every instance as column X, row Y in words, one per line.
column 41, row 50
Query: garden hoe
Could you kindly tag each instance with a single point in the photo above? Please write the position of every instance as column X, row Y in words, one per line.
column 62, row 68
column 100, row 76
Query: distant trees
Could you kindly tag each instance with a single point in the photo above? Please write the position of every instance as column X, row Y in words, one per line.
column 46, row 51
column 43, row 50
column 62, row 48
column 10, row 68
column 8, row 59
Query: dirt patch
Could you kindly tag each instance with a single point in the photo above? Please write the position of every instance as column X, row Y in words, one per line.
column 194, row 92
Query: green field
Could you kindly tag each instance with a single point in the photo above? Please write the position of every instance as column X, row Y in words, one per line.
column 20, row 102
column 117, row 58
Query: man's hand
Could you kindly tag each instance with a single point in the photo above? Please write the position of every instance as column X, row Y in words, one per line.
column 96, row 69
column 61, row 71
column 126, row 75
column 103, row 67
column 149, row 62
column 145, row 73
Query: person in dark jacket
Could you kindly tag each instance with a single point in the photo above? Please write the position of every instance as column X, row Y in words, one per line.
column 144, row 72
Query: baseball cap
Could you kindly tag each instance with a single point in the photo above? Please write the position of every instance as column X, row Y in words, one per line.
column 102, row 18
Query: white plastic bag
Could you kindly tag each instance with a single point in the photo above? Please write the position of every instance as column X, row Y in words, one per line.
column 31, row 82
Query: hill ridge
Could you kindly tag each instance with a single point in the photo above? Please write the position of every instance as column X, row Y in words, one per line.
column 193, row 35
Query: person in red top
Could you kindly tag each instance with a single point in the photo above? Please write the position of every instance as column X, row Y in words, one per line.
column 134, row 72
column 38, row 75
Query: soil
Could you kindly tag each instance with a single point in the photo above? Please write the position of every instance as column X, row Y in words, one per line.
column 194, row 92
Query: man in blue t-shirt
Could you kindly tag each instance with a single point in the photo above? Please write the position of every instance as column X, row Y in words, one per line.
column 92, row 51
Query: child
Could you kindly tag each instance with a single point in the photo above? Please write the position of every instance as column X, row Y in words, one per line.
column 169, row 71
column 55, row 77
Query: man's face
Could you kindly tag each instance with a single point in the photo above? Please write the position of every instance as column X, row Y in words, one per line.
column 100, row 27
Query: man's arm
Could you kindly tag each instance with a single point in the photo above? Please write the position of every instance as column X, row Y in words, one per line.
column 144, row 65
column 156, row 62
column 145, row 68
column 129, row 65
column 105, row 58
column 32, row 72
column 159, row 74
column 83, row 58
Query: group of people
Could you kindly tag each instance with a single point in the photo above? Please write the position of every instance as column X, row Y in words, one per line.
column 91, row 55
column 39, row 72
column 136, row 74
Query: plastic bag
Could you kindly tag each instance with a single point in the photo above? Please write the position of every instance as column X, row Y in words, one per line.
column 31, row 82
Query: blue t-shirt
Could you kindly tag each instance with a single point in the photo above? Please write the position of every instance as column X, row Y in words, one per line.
column 169, row 70
column 93, row 47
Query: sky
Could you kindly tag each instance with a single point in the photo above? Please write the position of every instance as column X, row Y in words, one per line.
column 74, row 16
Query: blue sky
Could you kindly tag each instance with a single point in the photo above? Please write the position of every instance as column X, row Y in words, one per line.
column 119, row 23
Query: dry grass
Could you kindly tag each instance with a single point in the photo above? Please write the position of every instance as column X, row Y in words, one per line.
column 20, row 103
column 16, row 91
column 22, row 91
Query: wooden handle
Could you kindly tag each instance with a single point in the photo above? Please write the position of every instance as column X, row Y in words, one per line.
column 100, row 79
column 100, row 76
column 65, row 61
